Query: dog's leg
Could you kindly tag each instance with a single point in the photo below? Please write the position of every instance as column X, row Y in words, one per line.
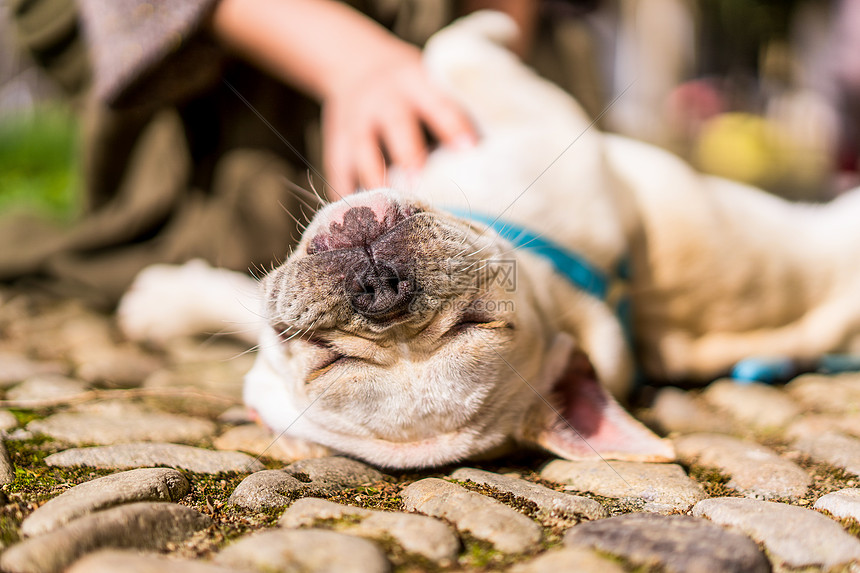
column 459, row 56
column 833, row 327
column 168, row 301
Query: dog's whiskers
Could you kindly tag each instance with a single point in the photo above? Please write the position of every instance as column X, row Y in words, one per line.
column 300, row 225
column 321, row 198
column 300, row 332
column 299, row 190
column 305, row 215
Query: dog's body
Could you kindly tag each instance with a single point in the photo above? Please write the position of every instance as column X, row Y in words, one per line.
column 385, row 339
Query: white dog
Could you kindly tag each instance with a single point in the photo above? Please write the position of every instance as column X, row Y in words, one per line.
column 475, row 311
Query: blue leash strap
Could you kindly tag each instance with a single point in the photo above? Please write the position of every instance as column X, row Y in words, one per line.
column 780, row 369
column 579, row 271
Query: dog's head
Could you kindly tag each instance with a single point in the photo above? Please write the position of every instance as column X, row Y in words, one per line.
column 410, row 337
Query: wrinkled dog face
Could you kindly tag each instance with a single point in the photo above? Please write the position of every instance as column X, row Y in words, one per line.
column 397, row 323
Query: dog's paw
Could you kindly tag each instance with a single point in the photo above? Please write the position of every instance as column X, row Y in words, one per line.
column 165, row 302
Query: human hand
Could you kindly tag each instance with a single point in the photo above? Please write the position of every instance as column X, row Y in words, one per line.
column 376, row 96
column 377, row 115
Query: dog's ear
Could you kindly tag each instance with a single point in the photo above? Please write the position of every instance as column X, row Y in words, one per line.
column 581, row 420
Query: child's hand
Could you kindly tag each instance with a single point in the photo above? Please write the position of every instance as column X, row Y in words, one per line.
column 375, row 93
column 378, row 115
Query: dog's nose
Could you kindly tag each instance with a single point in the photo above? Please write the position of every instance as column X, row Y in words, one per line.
column 368, row 240
column 358, row 225
column 379, row 290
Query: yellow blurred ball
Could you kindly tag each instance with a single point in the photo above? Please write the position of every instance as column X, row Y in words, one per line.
column 738, row 146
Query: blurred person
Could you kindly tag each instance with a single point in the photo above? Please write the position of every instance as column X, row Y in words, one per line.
column 842, row 88
column 755, row 111
column 655, row 51
column 196, row 114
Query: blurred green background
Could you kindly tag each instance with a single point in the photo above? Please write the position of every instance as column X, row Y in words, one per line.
column 39, row 163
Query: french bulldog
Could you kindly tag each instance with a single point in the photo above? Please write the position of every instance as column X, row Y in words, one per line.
column 477, row 307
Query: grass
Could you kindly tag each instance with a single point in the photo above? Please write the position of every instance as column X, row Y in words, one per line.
column 39, row 165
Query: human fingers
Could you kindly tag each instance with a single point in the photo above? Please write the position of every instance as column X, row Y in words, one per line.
column 401, row 134
column 369, row 160
column 337, row 158
column 446, row 120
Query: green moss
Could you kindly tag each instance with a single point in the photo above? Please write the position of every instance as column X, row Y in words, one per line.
column 849, row 524
column 614, row 506
column 35, row 481
column 24, row 417
column 825, row 479
column 524, row 506
column 209, row 493
column 342, row 522
column 383, row 496
column 481, row 555
column 10, row 525
column 712, row 480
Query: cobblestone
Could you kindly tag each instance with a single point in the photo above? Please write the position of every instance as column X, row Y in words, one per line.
column 676, row 411
column 474, row 513
column 223, row 378
column 794, row 536
column 663, row 488
column 755, row 470
column 157, row 484
column 755, row 405
column 8, row 421
column 126, row 456
column 569, row 559
column 253, row 439
column 321, row 476
column 116, row 367
column 142, row 525
column 842, row 503
column 235, row 415
column 832, row 448
column 267, row 489
column 7, row 469
column 837, row 394
column 419, row 534
column 305, row 550
column 551, row 504
column 15, row 368
column 47, row 387
column 113, row 560
column 677, row 543
column 257, row 440
column 816, row 424
column 117, row 422
column 331, row 474
column 211, row 386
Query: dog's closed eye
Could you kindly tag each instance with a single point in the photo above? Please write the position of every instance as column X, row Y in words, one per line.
column 325, row 357
column 475, row 319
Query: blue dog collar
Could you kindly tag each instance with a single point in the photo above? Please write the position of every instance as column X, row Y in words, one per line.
column 579, row 271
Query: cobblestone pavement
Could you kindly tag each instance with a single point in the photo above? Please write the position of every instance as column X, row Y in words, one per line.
column 121, row 458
